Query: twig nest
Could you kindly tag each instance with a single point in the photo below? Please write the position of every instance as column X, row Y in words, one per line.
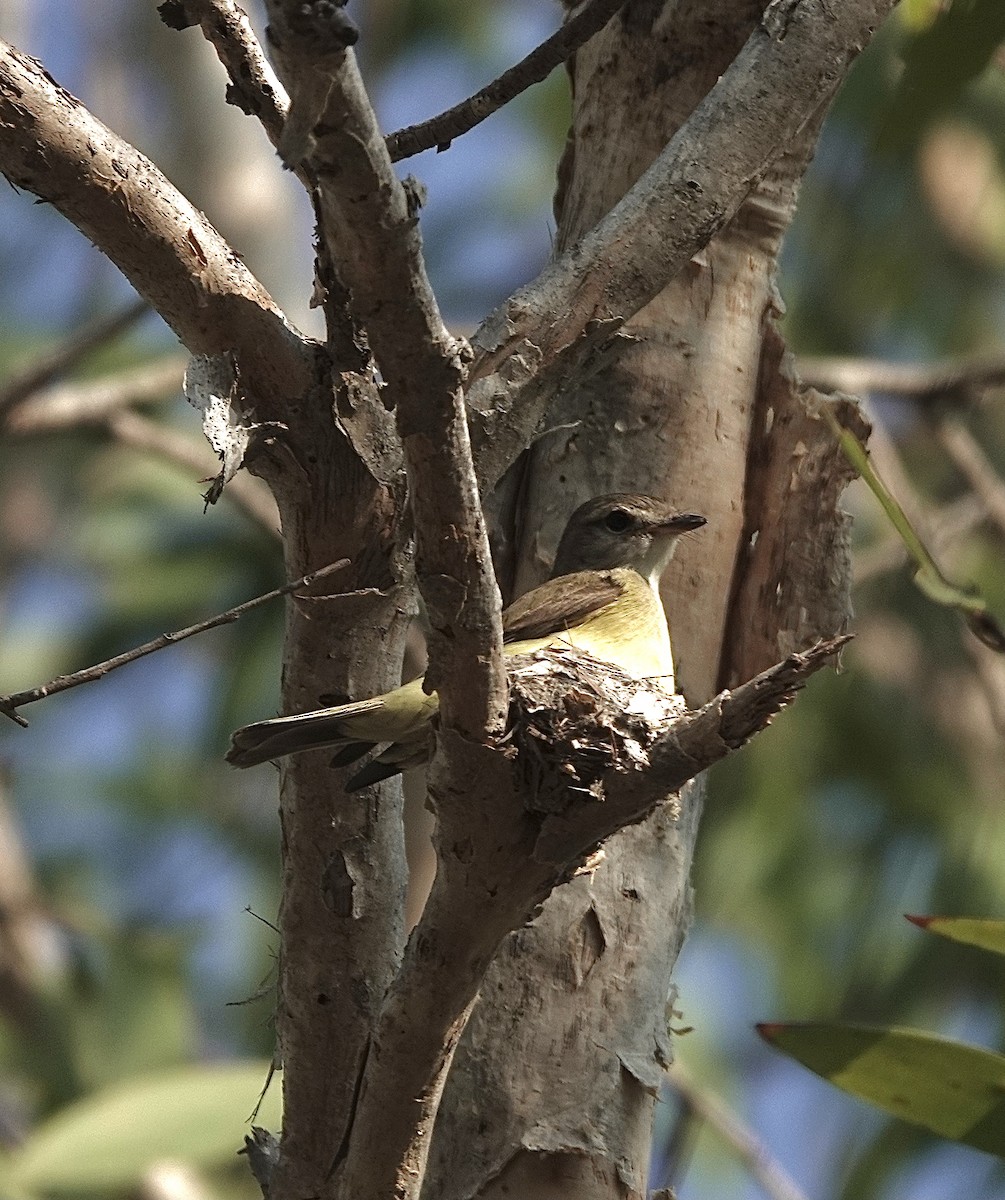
column 572, row 719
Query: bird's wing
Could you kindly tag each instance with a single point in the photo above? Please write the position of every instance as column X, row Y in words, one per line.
column 561, row 603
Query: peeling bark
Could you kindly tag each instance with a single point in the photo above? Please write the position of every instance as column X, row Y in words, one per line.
column 793, row 576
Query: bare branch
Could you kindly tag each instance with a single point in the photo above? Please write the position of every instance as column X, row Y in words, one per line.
column 95, row 400
column 52, row 146
column 254, row 86
column 439, row 131
column 371, row 225
column 10, row 704
column 68, row 353
column 367, row 218
column 789, row 67
column 310, row 40
column 496, row 864
column 693, row 743
column 105, row 403
column 752, row 1152
column 954, row 381
column 945, row 530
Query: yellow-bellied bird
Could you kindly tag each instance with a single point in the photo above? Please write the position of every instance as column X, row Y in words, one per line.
column 602, row 598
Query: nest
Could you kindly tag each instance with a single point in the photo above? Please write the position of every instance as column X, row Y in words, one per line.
column 573, row 719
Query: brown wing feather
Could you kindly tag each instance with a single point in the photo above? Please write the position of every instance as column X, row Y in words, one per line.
column 560, row 604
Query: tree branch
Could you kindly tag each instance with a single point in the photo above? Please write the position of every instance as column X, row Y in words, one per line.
column 105, row 403
column 254, row 86
column 53, row 147
column 789, row 67
column 10, row 704
column 66, row 405
column 372, row 229
column 439, row 131
column 951, row 381
column 974, row 465
column 247, row 493
column 68, row 353
column 495, row 866
column 773, row 1179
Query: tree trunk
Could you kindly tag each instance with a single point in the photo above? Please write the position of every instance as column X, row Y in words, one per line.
column 554, row 1084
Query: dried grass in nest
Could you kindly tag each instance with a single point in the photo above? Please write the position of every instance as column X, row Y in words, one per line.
column 572, row 719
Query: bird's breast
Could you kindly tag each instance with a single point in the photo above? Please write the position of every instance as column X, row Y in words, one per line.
column 630, row 632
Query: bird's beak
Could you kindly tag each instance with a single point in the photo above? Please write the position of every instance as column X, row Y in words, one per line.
column 680, row 523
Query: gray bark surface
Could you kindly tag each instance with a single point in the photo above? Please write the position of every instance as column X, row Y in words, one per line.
column 553, row 1086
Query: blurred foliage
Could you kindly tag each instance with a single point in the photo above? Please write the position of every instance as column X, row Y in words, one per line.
column 879, row 792
column 943, row 1085
column 105, row 1143
column 946, row 1086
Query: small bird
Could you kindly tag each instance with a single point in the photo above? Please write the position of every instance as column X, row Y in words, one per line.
column 602, row 598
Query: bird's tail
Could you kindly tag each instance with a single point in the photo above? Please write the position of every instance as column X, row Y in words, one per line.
column 400, row 718
column 266, row 740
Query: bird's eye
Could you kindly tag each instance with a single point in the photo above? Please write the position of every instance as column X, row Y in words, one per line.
column 617, row 521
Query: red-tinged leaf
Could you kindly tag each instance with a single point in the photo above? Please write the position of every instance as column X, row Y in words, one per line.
column 988, row 933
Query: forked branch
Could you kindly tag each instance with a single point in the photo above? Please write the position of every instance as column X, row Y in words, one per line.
column 790, row 66
column 496, row 865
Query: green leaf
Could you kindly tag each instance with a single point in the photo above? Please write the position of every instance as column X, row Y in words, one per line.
column 198, row 1115
column 955, row 1090
column 927, row 574
column 985, row 932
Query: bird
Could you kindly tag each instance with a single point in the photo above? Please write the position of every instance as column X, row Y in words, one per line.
column 602, row 598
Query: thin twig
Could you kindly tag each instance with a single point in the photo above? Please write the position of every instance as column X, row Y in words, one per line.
column 956, row 380
column 68, row 353
column 10, row 704
column 439, row 131
column 749, row 1149
column 945, row 528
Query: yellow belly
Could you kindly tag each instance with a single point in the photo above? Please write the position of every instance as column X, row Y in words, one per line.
column 632, row 633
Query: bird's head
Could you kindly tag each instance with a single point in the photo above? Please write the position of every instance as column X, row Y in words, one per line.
column 622, row 530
